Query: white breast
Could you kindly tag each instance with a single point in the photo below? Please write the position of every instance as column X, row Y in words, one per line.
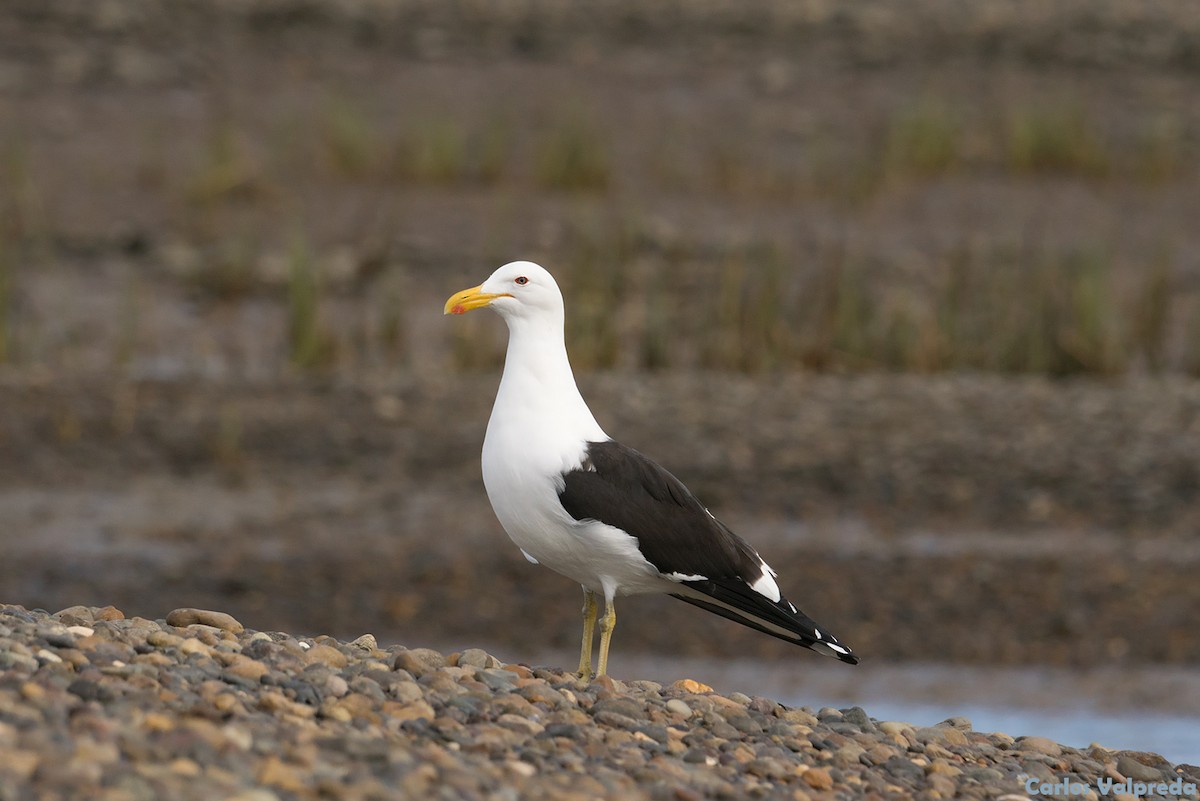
column 522, row 471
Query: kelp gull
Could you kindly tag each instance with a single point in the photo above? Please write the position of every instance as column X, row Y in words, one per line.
column 594, row 510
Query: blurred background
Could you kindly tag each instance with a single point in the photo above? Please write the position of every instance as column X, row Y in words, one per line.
column 909, row 295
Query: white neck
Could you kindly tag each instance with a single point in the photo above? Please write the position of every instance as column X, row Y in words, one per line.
column 538, row 383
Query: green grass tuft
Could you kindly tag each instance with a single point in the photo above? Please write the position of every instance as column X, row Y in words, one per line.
column 1160, row 149
column 6, row 301
column 924, row 140
column 227, row 171
column 352, row 144
column 310, row 345
column 1055, row 140
column 433, row 151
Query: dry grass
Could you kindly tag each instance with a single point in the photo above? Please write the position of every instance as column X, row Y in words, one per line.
column 737, row 303
column 432, row 151
column 1161, row 148
column 310, row 345
column 352, row 142
column 1055, row 139
column 227, row 169
column 924, row 140
column 1002, row 310
column 6, row 302
column 574, row 154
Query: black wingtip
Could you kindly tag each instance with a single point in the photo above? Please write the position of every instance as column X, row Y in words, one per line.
column 766, row 616
column 834, row 649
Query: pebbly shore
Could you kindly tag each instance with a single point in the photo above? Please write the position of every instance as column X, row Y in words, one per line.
column 196, row 706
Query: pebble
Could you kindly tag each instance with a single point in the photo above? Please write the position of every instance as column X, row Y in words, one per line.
column 856, row 716
column 940, row 734
column 1040, row 745
column 187, row 617
column 497, row 679
column 247, row 669
column 818, row 778
column 147, row 710
column 419, row 661
column 677, row 707
column 323, row 654
column 366, row 642
column 1131, row 767
column 475, row 657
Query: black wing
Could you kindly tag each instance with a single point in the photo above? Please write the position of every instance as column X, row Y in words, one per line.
column 619, row 486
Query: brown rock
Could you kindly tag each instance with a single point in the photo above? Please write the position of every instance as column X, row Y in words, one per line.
column 818, row 778
column 244, row 667
column 415, row 710
column 276, row 773
column 691, row 686
column 21, row 764
column 419, row 661
column 942, row 785
column 187, row 617
column 940, row 734
column 158, row 722
column 520, row 670
column 941, row 766
column 184, row 767
column 163, row 639
column 80, row 613
column 359, row 706
column 541, row 692
column 326, row 655
column 226, row 702
column 880, row 753
column 520, row 723
column 334, row 712
column 193, row 646
column 1039, row 745
column 108, row 613
column 798, row 716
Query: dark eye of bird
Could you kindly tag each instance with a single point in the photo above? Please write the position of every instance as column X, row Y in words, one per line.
column 522, row 280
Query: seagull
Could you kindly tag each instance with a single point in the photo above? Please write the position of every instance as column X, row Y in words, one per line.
column 598, row 512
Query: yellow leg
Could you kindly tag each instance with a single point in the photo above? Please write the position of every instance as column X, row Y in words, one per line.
column 589, row 628
column 607, row 624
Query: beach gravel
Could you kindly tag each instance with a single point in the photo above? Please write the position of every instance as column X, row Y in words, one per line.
column 96, row 705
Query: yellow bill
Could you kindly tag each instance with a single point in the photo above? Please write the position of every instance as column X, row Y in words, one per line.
column 468, row 299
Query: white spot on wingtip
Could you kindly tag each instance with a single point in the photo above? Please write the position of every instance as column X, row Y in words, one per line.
column 837, row 648
column 528, row 557
column 817, row 634
column 684, row 577
column 765, row 585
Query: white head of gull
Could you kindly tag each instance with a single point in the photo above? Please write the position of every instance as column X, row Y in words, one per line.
column 600, row 513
